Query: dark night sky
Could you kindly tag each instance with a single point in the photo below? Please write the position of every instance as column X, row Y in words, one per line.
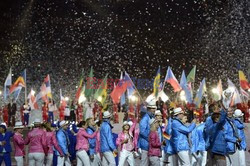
column 60, row 37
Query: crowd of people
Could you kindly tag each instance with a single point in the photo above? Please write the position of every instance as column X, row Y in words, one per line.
column 158, row 137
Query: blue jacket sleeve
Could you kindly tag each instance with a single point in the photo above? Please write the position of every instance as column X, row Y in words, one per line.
column 144, row 130
column 92, row 142
column 239, row 125
column 185, row 130
column 168, row 129
column 108, row 135
column 61, row 141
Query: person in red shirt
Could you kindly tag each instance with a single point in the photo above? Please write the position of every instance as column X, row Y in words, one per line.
column 45, row 111
column 5, row 114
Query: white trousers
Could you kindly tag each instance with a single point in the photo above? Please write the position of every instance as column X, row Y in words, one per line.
column 82, row 158
column 184, row 158
column 172, row 159
column 97, row 160
column 144, row 158
column 232, row 159
column 200, row 159
column 19, row 160
column 154, row 161
column 162, row 158
column 242, row 158
column 49, row 159
column 126, row 155
column 63, row 160
column 36, row 159
column 108, row 159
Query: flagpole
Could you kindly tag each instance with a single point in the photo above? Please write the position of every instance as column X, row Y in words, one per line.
column 25, row 96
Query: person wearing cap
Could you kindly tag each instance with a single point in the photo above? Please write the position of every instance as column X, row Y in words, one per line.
column 38, row 148
column 5, row 147
column 238, row 121
column 63, row 142
column 155, row 144
column 180, row 136
column 125, row 141
column 232, row 138
column 19, row 143
column 94, row 159
column 106, row 138
column 144, row 128
column 52, row 108
column 82, row 144
column 52, row 143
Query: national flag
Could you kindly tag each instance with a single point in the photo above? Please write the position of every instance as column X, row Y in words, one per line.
column 101, row 92
column 166, row 136
column 236, row 95
column 19, row 83
column 63, row 102
column 243, row 81
column 90, row 84
column 157, row 82
column 130, row 85
column 48, row 87
column 118, row 91
column 32, row 100
column 185, row 86
column 199, row 95
column 218, row 93
column 191, row 75
column 79, row 90
column 7, row 83
column 45, row 90
column 170, row 78
column 244, row 93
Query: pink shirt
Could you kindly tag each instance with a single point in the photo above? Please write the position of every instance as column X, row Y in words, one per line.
column 154, row 144
column 82, row 139
column 18, row 142
column 37, row 140
column 127, row 146
column 52, row 142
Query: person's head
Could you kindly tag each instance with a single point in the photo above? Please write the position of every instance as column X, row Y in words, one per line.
column 159, row 99
column 178, row 113
column 238, row 114
column 37, row 123
column 2, row 128
column 90, row 122
column 98, row 123
column 184, row 119
column 213, row 108
column 158, row 115
column 230, row 111
column 18, row 127
column 47, row 126
column 107, row 115
column 215, row 117
column 64, row 125
column 151, row 107
column 82, row 124
column 126, row 126
column 154, row 124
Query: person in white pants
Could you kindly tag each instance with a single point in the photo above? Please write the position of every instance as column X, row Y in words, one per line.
column 18, row 142
column 61, row 161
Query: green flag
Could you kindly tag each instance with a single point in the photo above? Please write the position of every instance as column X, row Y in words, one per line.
column 101, row 92
column 90, row 84
column 191, row 75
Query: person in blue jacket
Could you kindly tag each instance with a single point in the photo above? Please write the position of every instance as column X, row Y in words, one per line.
column 63, row 141
column 217, row 139
column 94, row 159
column 232, row 139
column 108, row 148
column 238, row 115
column 144, row 128
column 5, row 147
column 198, row 149
column 180, row 136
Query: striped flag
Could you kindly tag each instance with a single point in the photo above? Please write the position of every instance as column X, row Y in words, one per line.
column 7, row 83
column 170, row 78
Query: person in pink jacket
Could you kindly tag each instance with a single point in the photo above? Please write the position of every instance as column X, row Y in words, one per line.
column 126, row 144
column 154, row 151
column 52, row 143
column 98, row 145
column 18, row 142
column 82, row 144
column 38, row 145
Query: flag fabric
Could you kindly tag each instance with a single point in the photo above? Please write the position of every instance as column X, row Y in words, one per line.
column 166, row 136
column 118, row 91
column 157, row 82
column 7, row 83
column 244, row 93
column 19, row 83
column 243, row 81
column 199, row 95
column 217, row 95
column 236, row 96
column 45, row 90
column 79, row 90
column 191, row 75
column 90, row 84
column 101, row 92
column 130, row 85
column 170, row 78
column 32, row 100
column 63, row 102
column 185, row 86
